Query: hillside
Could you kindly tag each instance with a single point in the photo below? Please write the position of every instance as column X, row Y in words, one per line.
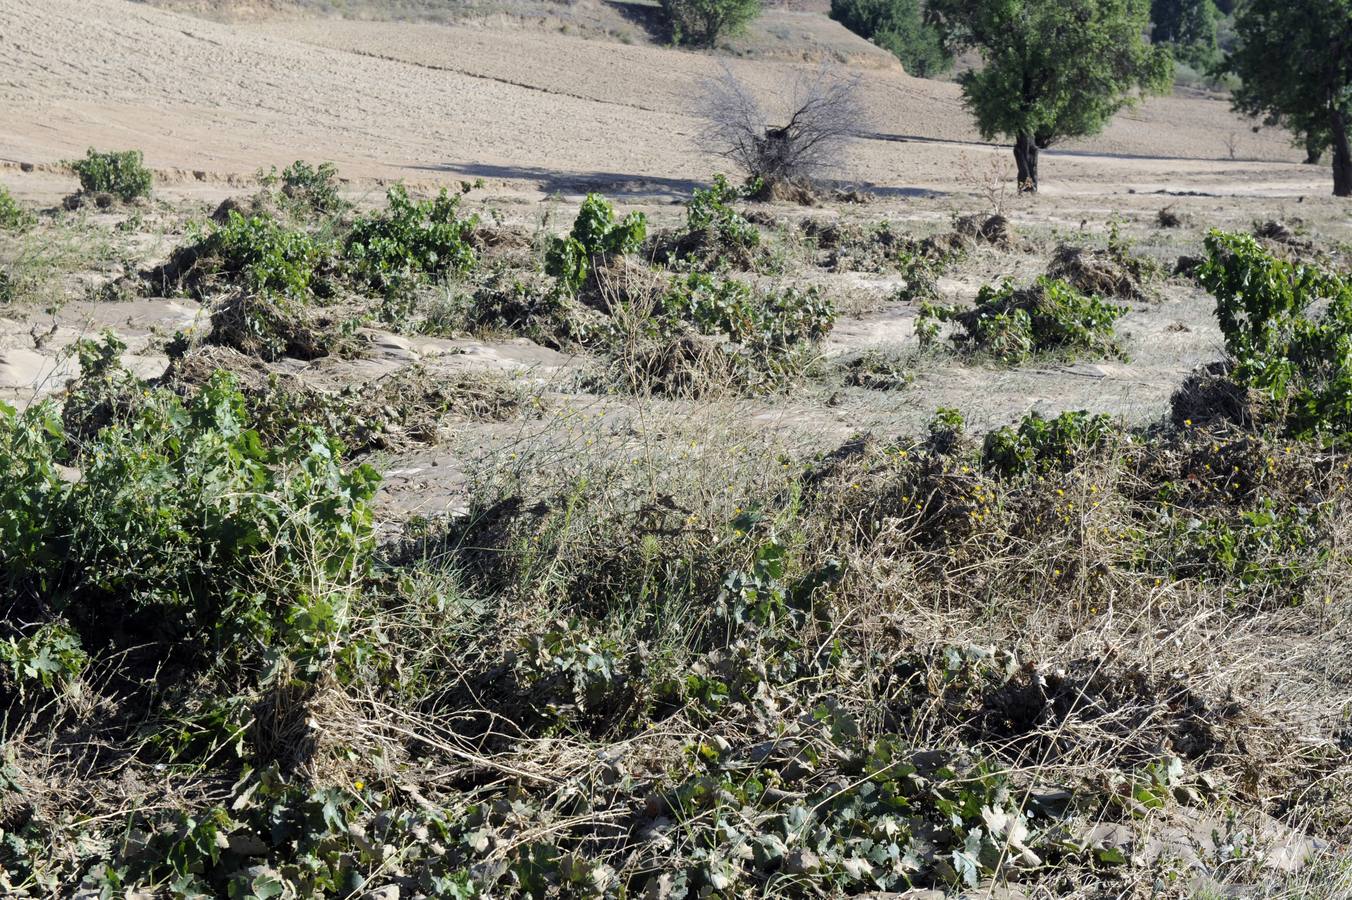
column 411, row 100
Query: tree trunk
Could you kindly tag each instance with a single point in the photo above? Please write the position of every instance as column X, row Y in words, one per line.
column 1025, row 157
column 1342, row 157
column 1314, row 149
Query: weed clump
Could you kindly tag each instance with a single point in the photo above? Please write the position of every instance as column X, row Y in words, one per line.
column 161, row 535
column 105, row 391
column 261, row 254
column 1039, row 444
column 121, row 174
column 395, row 412
column 884, row 248
column 1115, row 272
column 705, row 334
column 292, row 285
column 14, row 217
column 995, row 230
column 1168, row 217
column 1286, row 328
column 523, row 303
column 1011, row 324
column 409, row 240
column 596, row 235
column 878, row 370
column 716, row 235
column 272, row 325
column 313, row 189
column 765, row 320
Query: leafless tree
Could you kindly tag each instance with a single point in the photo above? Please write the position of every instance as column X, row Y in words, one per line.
column 798, row 145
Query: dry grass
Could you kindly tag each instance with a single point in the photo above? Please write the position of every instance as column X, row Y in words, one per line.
column 675, row 615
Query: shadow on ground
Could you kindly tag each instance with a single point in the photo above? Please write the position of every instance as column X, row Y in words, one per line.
column 618, row 184
column 552, row 181
column 646, row 17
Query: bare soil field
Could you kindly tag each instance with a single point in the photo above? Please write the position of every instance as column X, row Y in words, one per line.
column 423, row 102
column 357, row 546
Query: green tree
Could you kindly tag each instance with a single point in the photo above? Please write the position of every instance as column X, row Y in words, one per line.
column 1054, row 69
column 1188, row 27
column 703, row 22
column 899, row 27
column 1294, row 58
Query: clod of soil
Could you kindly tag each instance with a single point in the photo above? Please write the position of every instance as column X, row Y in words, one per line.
column 1099, row 273
column 994, row 230
column 1210, row 395
column 1168, row 218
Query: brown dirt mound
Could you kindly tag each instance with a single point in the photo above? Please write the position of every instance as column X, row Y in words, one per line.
column 1209, row 395
column 994, row 230
column 195, row 366
column 1123, row 712
column 271, row 327
column 1099, row 273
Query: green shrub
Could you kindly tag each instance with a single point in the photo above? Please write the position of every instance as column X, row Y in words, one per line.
column 1288, row 329
column 266, row 254
column 315, row 187
column 1011, row 324
column 184, row 523
column 899, row 27
column 595, row 234
column 51, row 656
column 711, row 209
column 947, row 428
column 767, row 320
column 705, row 334
column 1270, row 547
column 104, row 390
column 1040, row 445
column 716, row 236
column 14, row 217
column 570, row 669
column 703, row 22
column 122, row 174
column 920, row 271
column 410, row 240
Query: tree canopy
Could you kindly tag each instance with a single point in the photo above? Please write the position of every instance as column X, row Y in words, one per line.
column 703, row 23
column 899, row 27
column 1188, row 27
column 1294, row 58
column 1054, row 69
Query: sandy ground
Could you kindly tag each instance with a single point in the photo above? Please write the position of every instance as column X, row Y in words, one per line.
column 555, row 112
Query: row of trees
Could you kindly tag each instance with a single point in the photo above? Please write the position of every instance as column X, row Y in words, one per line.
column 907, row 29
column 1294, row 59
column 1056, row 69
